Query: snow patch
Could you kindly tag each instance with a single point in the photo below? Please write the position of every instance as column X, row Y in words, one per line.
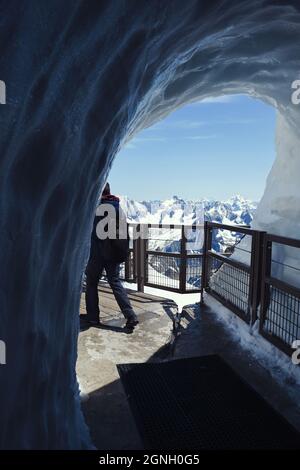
column 275, row 361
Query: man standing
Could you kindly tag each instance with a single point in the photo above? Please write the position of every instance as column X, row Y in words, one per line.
column 107, row 253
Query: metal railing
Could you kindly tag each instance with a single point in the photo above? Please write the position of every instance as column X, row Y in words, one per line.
column 232, row 281
column 248, row 283
column 169, row 266
column 246, row 276
column 280, row 300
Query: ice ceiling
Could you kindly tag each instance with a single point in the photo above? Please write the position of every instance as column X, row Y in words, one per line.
column 82, row 78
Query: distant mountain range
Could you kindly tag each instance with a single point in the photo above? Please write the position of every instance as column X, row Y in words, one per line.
column 236, row 210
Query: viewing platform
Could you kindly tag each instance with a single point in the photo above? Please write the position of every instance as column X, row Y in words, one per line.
column 247, row 320
column 200, row 333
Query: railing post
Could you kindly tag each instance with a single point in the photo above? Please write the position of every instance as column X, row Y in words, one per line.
column 140, row 261
column 183, row 261
column 255, row 274
column 128, row 260
column 127, row 270
column 265, row 286
column 207, row 243
column 144, row 255
column 135, row 250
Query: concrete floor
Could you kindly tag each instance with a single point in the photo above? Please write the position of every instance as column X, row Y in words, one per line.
column 100, row 349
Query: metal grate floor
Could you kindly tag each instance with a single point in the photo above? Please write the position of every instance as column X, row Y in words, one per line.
column 201, row 403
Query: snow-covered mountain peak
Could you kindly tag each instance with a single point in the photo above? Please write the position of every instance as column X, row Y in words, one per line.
column 176, row 210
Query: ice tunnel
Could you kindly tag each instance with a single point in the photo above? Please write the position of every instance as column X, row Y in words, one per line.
column 81, row 79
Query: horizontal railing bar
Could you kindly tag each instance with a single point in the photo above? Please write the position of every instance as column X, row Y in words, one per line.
column 228, row 260
column 289, row 266
column 172, row 254
column 241, row 249
column 232, row 228
column 162, row 287
column 163, row 253
column 281, row 285
column 283, row 240
column 166, row 226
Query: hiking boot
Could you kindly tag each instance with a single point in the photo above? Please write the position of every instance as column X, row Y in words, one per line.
column 131, row 323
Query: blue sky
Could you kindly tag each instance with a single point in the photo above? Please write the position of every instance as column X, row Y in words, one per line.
column 213, row 149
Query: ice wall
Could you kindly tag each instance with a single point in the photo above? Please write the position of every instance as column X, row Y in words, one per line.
column 279, row 210
column 82, row 77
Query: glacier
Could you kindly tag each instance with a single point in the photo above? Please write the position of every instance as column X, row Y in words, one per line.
column 83, row 78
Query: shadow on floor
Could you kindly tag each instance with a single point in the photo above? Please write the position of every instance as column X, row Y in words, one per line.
column 109, row 419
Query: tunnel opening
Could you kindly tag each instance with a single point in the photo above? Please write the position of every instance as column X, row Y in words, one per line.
column 208, row 152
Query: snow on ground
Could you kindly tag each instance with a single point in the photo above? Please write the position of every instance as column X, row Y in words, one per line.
column 180, row 299
column 279, row 364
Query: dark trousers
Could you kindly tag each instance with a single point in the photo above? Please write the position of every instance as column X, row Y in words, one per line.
column 94, row 271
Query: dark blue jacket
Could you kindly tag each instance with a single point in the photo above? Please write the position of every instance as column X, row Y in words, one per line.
column 110, row 250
